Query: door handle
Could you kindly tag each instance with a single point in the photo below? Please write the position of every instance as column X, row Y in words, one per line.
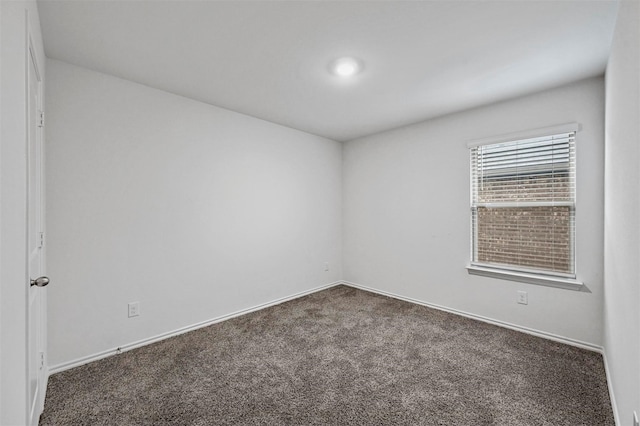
column 40, row 282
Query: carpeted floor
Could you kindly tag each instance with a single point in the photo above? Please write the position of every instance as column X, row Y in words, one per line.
column 338, row 357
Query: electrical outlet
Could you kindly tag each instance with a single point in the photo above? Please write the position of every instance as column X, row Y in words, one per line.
column 523, row 299
column 134, row 309
column 326, row 266
column 635, row 419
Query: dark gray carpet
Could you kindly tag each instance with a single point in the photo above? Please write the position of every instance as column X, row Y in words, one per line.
column 338, row 357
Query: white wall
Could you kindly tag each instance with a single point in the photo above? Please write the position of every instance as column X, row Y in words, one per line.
column 17, row 17
column 192, row 210
column 622, row 212
column 407, row 219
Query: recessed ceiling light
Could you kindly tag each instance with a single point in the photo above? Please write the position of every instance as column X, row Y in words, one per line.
column 346, row 67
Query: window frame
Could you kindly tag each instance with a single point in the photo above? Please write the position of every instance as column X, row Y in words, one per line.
column 515, row 273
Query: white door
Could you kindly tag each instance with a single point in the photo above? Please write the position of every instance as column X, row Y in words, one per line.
column 35, row 307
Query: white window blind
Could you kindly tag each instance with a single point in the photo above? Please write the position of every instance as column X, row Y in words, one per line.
column 523, row 205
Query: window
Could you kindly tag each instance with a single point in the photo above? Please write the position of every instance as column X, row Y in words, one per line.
column 523, row 202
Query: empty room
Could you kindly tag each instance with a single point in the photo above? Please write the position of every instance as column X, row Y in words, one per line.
column 320, row 212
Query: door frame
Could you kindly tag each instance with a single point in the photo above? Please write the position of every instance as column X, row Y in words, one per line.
column 19, row 20
column 36, row 407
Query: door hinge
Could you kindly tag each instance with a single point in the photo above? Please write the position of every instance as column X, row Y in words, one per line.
column 41, row 360
column 41, row 119
column 41, row 240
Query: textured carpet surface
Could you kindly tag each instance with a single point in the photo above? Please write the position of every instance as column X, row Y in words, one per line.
column 338, row 357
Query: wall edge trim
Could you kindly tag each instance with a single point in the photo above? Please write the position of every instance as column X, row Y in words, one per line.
column 159, row 337
column 612, row 397
column 549, row 336
column 143, row 342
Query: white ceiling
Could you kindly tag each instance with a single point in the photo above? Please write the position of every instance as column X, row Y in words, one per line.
column 269, row 59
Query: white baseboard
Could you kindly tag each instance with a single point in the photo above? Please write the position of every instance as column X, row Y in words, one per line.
column 538, row 333
column 550, row 336
column 612, row 397
column 504, row 324
column 127, row 347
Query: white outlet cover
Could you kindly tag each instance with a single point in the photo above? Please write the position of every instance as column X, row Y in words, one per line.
column 523, row 298
column 134, row 309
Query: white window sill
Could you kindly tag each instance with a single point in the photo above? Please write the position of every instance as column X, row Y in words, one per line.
column 523, row 277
